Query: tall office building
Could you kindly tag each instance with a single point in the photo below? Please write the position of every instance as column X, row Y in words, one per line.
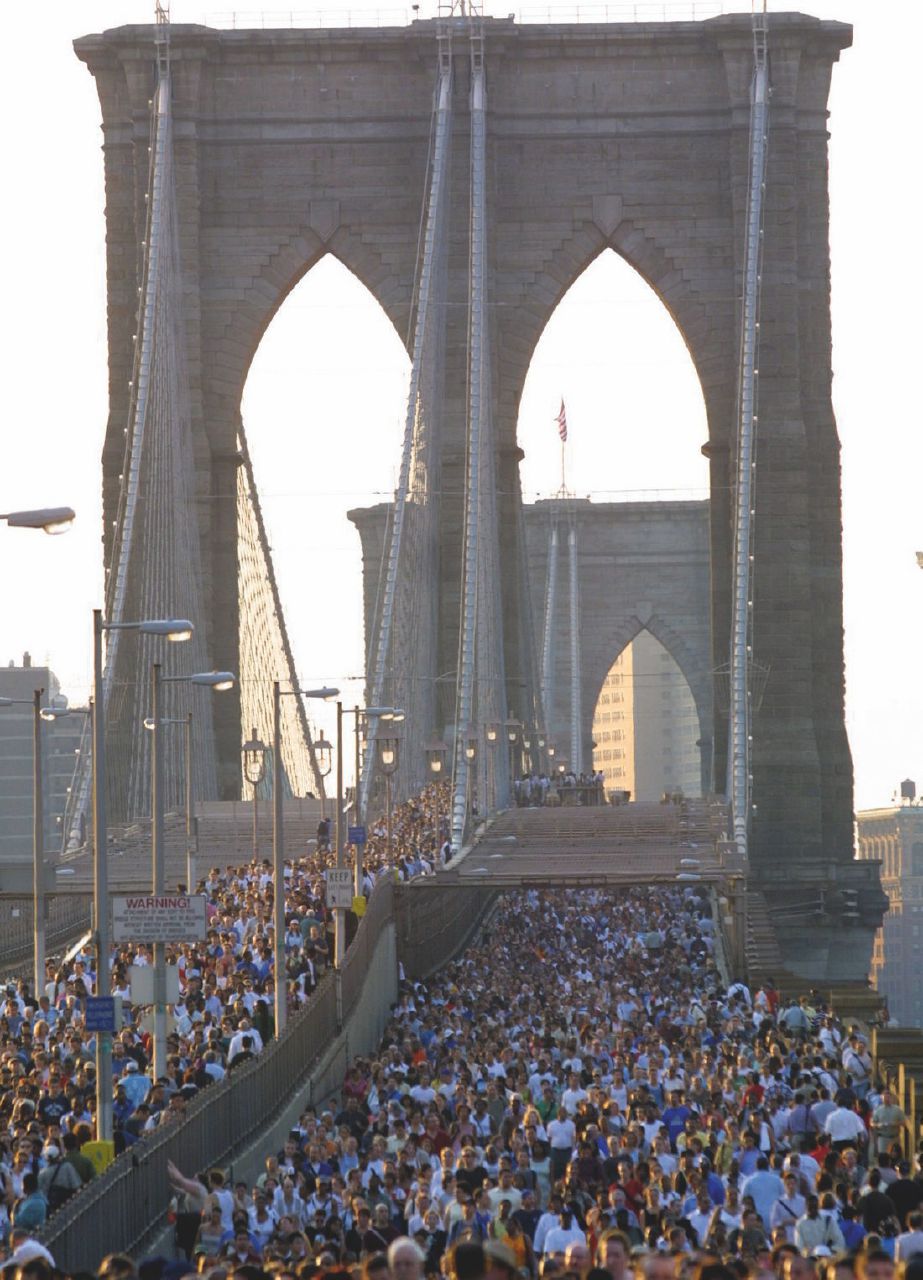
column 646, row 726
column 60, row 741
column 894, row 836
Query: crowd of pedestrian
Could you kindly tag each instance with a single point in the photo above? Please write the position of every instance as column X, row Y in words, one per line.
column 582, row 1087
column 223, row 1018
column 535, row 790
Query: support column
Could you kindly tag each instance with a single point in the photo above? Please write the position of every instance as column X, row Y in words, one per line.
column 576, row 689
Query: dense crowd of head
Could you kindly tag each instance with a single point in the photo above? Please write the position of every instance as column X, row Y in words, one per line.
column 582, row 1089
column 224, row 1016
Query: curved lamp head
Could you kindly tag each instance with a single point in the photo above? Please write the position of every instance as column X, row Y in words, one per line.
column 436, row 750
column 54, row 713
column 324, row 749
column 51, row 519
column 254, row 758
column 175, row 629
column 220, row 681
column 325, row 692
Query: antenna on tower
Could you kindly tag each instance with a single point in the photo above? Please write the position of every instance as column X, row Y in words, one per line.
column 162, row 34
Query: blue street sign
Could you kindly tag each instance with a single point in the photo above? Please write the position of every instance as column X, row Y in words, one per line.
column 100, row 1013
column 355, row 835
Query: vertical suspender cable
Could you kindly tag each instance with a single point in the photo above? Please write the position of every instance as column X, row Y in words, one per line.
column 422, row 339
column 123, row 540
column 478, row 409
column 742, row 603
column 576, row 687
column 551, row 596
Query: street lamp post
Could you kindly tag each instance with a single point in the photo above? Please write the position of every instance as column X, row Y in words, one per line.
column 192, row 839
column 323, row 758
column 436, row 752
column 173, row 629
column 512, row 727
column 492, row 734
column 388, row 759
column 280, row 986
column 50, row 714
column 339, row 916
column 471, row 752
column 254, row 754
column 357, row 818
column 38, row 837
column 218, row 680
column 373, row 714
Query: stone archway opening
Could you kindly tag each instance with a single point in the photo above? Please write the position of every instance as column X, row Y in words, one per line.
column 646, row 731
column 635, row 410
column 636, row 420
column 323, row 409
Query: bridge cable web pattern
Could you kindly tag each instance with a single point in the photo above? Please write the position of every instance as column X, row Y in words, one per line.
column 531, row 669
column 404, row 667
column 481, row 677
column 741, row 655
column 154, row 569
column 264, row 647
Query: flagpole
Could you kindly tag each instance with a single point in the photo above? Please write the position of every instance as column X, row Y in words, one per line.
column 563, row 478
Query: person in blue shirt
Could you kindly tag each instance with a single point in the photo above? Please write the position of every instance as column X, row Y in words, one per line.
column 675, row 1116
column 765, row 1187
column 32, row 1210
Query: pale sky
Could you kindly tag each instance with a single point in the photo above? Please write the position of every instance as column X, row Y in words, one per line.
column 324, row 402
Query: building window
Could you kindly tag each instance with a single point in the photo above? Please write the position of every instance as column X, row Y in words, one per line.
column 917, row 859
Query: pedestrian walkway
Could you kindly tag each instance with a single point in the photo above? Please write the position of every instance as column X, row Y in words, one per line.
column 606, row 844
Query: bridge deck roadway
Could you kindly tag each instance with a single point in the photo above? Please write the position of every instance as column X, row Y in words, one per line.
column 609, row 845
column 225, row 837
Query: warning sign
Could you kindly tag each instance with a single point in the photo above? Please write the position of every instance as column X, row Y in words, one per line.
column 177, row 917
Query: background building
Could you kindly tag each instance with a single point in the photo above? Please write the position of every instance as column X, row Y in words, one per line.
column 895, row 837
column 646, row 727
column 61, row 739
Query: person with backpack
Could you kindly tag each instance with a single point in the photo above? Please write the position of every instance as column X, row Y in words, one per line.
column 58, row 1180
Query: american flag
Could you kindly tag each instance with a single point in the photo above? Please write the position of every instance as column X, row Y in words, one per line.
column 561, row 420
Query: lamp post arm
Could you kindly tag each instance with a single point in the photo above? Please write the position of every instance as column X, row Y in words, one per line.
column 38, row 847
column 101, row 884
column 278, row 859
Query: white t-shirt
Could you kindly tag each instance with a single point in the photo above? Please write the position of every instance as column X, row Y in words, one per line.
column 562, row 1134
column 558, row 1238
column 571, row 1099
column 843, row 1125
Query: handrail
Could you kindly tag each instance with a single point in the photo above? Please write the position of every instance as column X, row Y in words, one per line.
column 119, row 1209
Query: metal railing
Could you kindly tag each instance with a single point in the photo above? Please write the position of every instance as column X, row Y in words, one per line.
column 898, row 1061
column 123, row 1207
column 401, row 16
column 68, row 916
column 434, row 924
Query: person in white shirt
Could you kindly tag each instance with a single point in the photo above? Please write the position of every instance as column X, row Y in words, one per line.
column 845, row 1128
column 701, row 1216
column 562, row 1134
column 547, row 1222
column 789, row 1207
column 558, row 1238
column 573, row 1095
